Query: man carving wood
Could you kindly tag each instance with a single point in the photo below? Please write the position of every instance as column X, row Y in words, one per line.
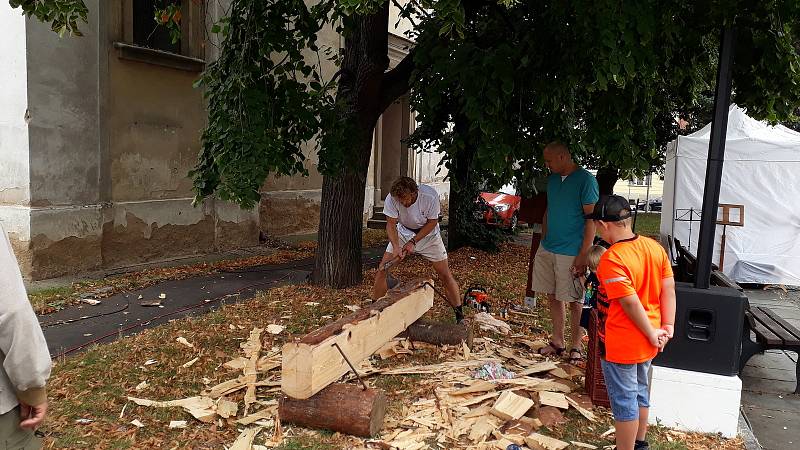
column 412, row 223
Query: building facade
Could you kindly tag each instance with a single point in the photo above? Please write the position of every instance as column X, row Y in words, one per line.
column 98, row 133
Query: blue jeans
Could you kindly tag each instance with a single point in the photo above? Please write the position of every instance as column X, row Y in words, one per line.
column 628, row 387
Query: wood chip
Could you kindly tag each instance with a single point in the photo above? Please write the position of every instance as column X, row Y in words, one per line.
column 443, row 367
column 252, row 349
column 189, row 402
column 486, row 322
column 142, row 386
column 476, row 400
column 533, row 345
column 582, row 445
column 226, row 387
column 137, row 423
column 265, row 413
column 227, row 408
column 190, row 363
column 479, row 386
column 245, row 439
column 584, row 412
column 544, row 366
column 545, row 441
column 201, row 408
column 556, row 399
column 477, row 412
column 182, row 340
column 511, row 406
column 177, row 424
column 275, row 329
column 560, row 373
column 481, row 429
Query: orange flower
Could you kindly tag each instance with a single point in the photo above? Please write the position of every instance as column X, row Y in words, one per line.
column 177, row 16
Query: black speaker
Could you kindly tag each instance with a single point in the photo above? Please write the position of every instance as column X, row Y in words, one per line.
column 708, row 330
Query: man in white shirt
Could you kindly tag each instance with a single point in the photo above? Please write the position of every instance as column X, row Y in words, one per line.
column 24, row 359
column 412, row 223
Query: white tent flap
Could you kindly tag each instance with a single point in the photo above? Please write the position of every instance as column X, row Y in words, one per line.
column 761, row 172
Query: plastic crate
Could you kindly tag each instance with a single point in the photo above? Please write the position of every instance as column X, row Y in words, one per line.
column 595, row 383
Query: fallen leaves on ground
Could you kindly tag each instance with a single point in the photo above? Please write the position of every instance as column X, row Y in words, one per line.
column 433, row 396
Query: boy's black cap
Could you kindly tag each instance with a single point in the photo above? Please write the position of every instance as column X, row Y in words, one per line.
column 610, row 208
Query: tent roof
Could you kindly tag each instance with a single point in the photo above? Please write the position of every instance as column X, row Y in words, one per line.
column 747, row 139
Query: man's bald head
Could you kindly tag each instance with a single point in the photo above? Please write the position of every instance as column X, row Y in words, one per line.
column 558, row 159
column 557, row 148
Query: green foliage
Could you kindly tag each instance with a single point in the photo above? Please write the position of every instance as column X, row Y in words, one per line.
column 169, row 16
column 265, row 97
column 607, row 78
column 62, row 15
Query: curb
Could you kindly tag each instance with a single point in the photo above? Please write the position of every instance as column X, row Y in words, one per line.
column 746, row 432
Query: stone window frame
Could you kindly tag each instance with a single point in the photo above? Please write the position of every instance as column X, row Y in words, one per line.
column 192, row 56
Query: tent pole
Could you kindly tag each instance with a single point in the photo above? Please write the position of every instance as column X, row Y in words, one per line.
column 716, row 156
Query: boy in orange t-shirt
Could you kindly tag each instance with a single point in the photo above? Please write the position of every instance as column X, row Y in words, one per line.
column 636, row 305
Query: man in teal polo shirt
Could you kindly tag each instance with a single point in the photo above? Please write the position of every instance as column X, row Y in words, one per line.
column 571, row 193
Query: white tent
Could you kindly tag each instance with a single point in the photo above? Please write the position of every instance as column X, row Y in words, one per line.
column 761, row 172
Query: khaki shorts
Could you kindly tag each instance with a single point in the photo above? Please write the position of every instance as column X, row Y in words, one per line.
column 431, row 247
column 12, row 437
column 552, row 274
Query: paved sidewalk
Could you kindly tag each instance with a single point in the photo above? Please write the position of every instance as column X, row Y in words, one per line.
column 768, row 380
column 75, row 328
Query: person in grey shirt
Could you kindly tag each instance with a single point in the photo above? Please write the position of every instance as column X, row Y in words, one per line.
column 24, row 359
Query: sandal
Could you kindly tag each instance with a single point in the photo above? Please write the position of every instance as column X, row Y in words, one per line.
column 553, row 350
column 576, row 360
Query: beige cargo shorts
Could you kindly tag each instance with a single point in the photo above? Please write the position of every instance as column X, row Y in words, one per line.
column 552, row 274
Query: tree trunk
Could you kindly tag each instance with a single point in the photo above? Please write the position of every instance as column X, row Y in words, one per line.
column 345, row 408
column 338, row 256
column 606, row 179
column 438, row 333
column 461, row 197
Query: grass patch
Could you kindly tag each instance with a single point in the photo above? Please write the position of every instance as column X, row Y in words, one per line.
column 648, row 224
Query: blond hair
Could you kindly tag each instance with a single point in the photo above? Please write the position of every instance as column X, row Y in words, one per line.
column 593, row 256
column 403, row 186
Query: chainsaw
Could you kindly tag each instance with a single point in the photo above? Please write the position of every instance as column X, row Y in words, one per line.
column 478, row 298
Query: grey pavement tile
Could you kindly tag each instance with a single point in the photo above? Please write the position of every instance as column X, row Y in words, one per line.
column 775, row 430
column 767, row 385
column 773, row 402
column 769, row 373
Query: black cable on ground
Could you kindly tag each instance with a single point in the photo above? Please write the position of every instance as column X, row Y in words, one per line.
column 161, row 316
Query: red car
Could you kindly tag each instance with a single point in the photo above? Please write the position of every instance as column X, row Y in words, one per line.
column 499, row 208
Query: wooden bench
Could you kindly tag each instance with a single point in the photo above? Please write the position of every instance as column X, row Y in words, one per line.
column 772, row 332
column 685, row 268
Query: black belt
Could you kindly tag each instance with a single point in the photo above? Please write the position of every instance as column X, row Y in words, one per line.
column 415, row 230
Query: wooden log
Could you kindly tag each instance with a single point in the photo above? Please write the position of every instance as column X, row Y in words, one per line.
column 313, row 362
column 440, row 333
column 345, row 408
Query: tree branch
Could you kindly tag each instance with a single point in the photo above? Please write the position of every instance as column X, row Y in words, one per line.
column 397, row 81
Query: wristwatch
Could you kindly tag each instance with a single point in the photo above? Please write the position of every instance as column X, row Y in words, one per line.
column 413, row 241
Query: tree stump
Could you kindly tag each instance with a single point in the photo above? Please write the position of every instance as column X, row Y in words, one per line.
column 346, row 408
column 439, row 333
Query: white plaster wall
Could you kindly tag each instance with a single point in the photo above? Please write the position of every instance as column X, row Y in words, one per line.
column 14, row 145
column 63, row 92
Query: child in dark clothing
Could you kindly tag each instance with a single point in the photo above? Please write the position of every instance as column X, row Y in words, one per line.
column 591, row 284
